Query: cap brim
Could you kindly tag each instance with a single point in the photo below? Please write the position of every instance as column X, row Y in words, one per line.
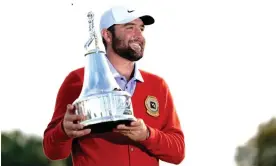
column 147, row 19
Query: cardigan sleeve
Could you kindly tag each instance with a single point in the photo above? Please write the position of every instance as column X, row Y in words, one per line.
column 56, row 144
column 167, row 144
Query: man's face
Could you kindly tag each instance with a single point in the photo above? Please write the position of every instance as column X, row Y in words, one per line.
column 128, row 41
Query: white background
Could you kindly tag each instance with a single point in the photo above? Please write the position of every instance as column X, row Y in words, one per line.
column 218, row 58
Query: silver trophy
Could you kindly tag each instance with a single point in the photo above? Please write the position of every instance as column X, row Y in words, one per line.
column 101, row 100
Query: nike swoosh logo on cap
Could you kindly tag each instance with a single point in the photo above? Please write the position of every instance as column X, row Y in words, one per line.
column 130, row 11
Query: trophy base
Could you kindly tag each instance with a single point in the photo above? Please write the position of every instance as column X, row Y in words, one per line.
column 106, row 126
column 103, row 112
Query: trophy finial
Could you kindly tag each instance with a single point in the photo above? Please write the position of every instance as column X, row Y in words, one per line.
column 92, row 32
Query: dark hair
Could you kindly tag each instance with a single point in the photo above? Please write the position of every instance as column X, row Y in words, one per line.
column 112, row 31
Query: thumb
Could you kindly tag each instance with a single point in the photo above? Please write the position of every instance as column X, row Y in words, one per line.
column 70, row 108
column 136, row 123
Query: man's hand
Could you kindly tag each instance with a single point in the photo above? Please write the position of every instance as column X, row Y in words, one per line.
column 137, row 130
column 71, row 125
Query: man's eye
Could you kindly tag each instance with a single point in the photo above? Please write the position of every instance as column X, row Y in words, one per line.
column 129, row 27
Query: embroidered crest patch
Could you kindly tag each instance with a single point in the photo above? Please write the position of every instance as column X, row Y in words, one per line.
column 152, row 106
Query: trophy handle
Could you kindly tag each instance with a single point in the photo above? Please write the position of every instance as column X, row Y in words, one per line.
column 92, row 32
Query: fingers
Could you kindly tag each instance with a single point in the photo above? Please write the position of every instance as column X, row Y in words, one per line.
column 70, row 115
column 70, row 123
column 78, row 133
column 135, row 125
column 72, row 118
column 70, row 108
column 75, row 130
column 138, row 122
column 137, row 130
column 124, row 127
column 124, row 132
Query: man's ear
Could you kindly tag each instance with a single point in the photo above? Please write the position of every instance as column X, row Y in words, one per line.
column 107, row 35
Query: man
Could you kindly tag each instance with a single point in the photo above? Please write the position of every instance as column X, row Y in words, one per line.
column 156, row 135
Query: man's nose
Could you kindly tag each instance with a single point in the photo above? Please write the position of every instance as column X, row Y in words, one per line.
column 138, row 32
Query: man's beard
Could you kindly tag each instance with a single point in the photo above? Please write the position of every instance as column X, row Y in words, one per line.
column 126, row 51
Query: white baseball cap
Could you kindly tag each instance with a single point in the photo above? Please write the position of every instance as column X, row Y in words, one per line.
column 122, row 15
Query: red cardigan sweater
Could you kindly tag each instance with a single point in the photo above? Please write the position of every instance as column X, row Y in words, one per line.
column 166, row 140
